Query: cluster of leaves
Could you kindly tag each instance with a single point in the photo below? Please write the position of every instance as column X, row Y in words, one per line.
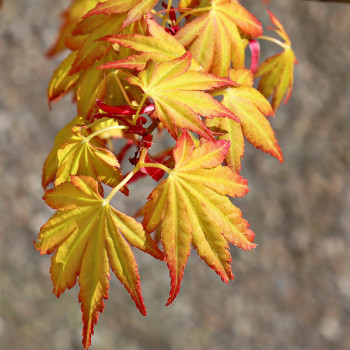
column 135, row 71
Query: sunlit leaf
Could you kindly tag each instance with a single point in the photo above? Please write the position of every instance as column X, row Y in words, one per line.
column 50, row 165
column 93, row 50
column 90, row 85
column 61, row 82
column 135, row 9
column 179, row 96
column 250, row 106
column 214, row 38
column 79, row 156
column 277, row 72
column 160, row 46
column 89, row 237
column 71, row 17
column 191, row 206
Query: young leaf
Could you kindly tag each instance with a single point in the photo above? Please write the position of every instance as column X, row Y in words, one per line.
column 50, row 165
column 90, row 85
column 178, row 95
column 93, row 50
column 188, row 3
column 231, row 131
column 86, row 35
column 79, row 156
column 135, row 9
column 88, row 236
column 71, row 17
column 191, row 206
column 112, row 128
column 61, row 82
column 277, row 72
column 250, row 106
column 214, row 38
column 159, row 47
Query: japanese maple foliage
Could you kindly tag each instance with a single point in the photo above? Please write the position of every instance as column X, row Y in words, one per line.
column 136, row 69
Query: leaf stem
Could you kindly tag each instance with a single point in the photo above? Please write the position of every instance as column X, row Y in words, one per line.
column 166, row 16
column 143, row 155
column 192, row 11
column 154, row 12
column 155, row 165
column 276, row 41
column 144, row 98
column 121, row 184
column 88, row 138
column 123, row 90
column 127, row 178
column 160, row 16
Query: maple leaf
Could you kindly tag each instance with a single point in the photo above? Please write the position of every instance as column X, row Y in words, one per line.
column 135, row 9
column 90, row 85
column 92, row 50
column 71, row 17
column 87, row 85
column 81, row 156
column 88, row 237
column 214, row 38
column 50, row 165
column 61, row 82
column 178, row 94
column 95, row 85
column 250, row 106
column 111, row 128
column 230, row 131
column 107, row 18
column 159, row 47
column 277, row 72
column 188, row 3
column 191, row 206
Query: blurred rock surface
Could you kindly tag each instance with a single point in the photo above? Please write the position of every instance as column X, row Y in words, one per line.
column 291, row 293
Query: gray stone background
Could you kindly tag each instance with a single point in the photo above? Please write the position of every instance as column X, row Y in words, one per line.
column 291, row 293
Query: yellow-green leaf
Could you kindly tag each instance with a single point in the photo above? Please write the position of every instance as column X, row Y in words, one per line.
column 50, row 165
column 277, row 76
column 191, row 206
column 179, row 96
column 230, row 131
column 71, row 17
column 79, row 156
column 160, row 46
column 88, row 85
column 135, row 9
column 88, row 237
column 214, row 38
column 277, row 72
column 250, row 106
column 111, row 126
column 61, row 82
column 93, row 50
